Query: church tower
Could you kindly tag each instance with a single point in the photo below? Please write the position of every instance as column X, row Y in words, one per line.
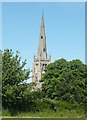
column 42, row 59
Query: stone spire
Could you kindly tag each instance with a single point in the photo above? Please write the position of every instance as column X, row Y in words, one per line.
column 42, row 51
column 41, row 60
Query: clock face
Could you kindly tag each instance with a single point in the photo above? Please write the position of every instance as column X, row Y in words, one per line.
column 44, row 50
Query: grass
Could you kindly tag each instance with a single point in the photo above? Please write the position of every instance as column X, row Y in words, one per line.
column 49, row 113
column 64, row 110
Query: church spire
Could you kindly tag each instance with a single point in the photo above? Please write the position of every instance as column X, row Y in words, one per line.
column 42, row 52
column 42, row 59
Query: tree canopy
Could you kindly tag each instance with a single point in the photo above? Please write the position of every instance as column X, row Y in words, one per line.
column 64, row 85
column 65, row 80
column 13, row 80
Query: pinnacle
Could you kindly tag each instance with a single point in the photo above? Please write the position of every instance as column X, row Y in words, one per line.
column 42, row 24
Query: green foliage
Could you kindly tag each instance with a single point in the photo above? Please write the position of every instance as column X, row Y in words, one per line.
column 62, row 112
column 0, row 83
column 13, row 80
column 0, row 67
column 64, row 88
column 65, row 80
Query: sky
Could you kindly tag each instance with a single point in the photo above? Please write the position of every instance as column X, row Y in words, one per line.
column 64, row 27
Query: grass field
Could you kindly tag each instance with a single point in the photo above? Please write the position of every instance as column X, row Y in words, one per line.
column 48, row 113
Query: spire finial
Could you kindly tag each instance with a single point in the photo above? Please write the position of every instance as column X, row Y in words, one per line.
column 42, row 19
column 43, row 14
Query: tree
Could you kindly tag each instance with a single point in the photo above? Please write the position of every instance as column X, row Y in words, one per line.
column 0, row 81
column 65, row 80
column 13, row 80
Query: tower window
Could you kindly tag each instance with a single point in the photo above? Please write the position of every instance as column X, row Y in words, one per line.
column 41, row 37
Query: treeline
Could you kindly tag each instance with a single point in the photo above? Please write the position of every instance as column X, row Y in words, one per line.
column 64, row 85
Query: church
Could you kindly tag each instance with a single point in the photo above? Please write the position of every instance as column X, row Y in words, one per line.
column 41, row 60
